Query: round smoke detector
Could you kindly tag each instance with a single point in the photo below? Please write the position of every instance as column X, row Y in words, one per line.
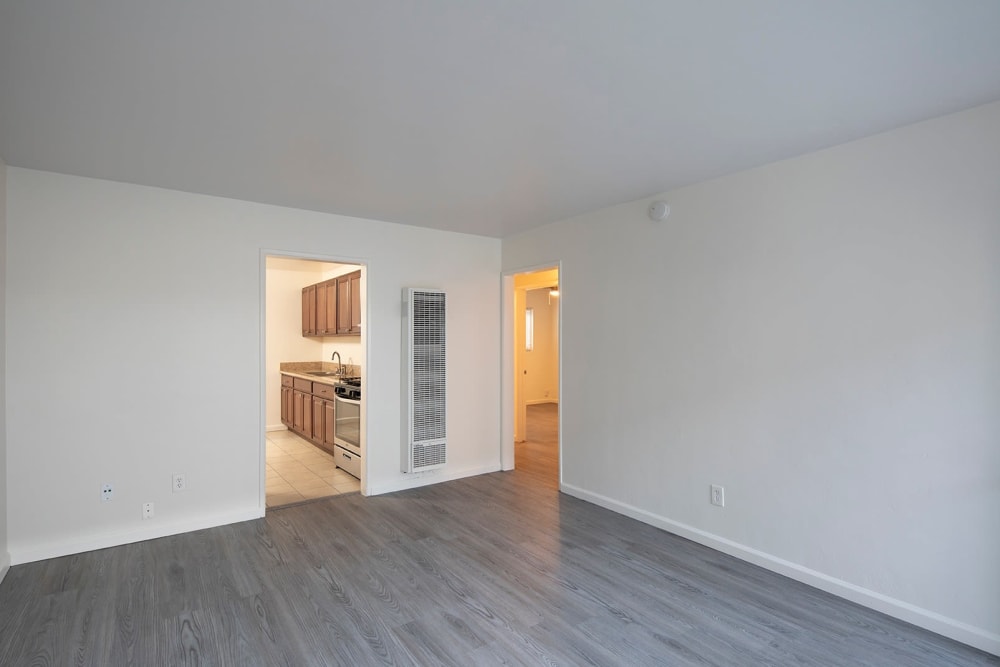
column 658, row 210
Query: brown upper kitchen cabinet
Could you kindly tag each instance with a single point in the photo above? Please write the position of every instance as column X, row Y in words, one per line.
column 322, row 326
column 330, row 304
column 309, row 310
column 355, row 279
column 349, row 303
column 332, row 307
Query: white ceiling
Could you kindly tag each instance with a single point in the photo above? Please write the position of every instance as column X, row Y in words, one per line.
column 482, row 116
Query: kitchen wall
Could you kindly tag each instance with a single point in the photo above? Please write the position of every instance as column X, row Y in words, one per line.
column 349, row 348
column 819, row 336
column 4, row 554
column 134, row 351
column 541, row 382
column 284, row 339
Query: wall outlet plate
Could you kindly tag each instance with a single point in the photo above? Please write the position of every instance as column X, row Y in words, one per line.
column 107, row 492
column 179, row 483
column 147, row 511
column 718, row 496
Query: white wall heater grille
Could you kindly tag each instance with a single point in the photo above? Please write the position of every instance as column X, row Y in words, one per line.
column 424, row 386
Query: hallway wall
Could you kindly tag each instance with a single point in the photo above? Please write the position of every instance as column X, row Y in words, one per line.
column 541, row 383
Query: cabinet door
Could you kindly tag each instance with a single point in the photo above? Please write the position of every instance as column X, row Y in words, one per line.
column 317, row 418
column 309, row 310
column 330, row 287
column 298, row 411
column 286, row 406
column 321, row 323
column 343, row 305
column 329, row 423
column 307, row 415
column 355, row 279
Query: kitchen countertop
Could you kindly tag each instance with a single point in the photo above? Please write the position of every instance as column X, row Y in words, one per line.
column 300, row 369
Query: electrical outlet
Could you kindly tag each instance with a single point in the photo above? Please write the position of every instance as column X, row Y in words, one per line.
column 107, row 492
column 180, row 482
column 147, row 511
column 718, row 495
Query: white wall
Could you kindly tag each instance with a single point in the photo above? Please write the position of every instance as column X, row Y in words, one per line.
column 541, row 382
column 134, row 351
column 4, row 554
column 822, row 337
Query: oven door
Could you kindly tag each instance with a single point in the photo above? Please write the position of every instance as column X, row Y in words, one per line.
column 347, row 432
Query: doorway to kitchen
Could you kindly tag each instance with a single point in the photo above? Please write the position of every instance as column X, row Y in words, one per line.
column 314, row 313
column 534, row 334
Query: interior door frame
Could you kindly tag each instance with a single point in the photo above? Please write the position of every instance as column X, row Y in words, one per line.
column 365, row 266
column 508, row 381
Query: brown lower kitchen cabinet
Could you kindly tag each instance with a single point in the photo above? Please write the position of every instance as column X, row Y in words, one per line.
column 324, row 419
column 308, row 408
column 317, row 420
column 286, row 400
column 302, row 413
column 329, row 423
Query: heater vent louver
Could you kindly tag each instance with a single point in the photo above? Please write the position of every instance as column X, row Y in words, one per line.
column 424, row 380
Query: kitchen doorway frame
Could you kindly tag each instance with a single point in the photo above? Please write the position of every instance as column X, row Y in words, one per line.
column 363, row 264
column 508, row 318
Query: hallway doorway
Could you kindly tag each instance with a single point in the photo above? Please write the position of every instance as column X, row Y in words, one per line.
column 535, row 328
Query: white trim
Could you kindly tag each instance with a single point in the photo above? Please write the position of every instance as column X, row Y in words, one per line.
column 507, row 352
column 419, row 479
column 4, row 564
column 977, row 637
column 61, row 548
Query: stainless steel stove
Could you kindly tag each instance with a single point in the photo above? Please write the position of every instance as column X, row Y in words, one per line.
column 347, row 432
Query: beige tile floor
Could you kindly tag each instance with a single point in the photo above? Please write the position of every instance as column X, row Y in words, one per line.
column 298, row 470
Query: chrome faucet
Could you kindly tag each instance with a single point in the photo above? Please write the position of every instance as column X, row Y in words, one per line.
column 340, row 365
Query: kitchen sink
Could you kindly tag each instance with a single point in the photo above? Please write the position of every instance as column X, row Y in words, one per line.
column 321, row 374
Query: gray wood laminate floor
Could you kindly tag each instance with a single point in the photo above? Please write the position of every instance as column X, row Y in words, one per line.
column 495, row 569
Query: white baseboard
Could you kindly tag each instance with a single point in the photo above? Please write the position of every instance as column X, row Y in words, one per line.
column 57, row 549
column 419, row 479
column 4, row 564
column 924, row 618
